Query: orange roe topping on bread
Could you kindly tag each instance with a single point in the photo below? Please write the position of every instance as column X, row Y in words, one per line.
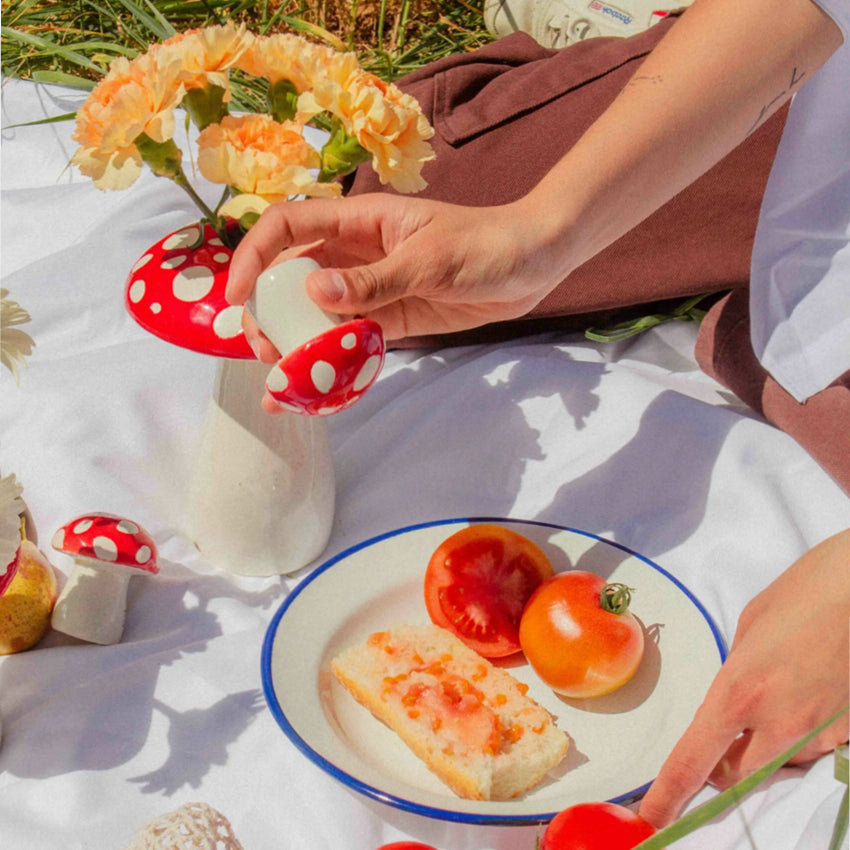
column 470, row 721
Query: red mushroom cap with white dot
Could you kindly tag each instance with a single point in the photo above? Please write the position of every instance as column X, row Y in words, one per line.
column 176, row 292
column 330, row 371
column 107, row 539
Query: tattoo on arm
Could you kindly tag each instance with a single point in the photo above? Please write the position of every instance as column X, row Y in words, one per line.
column 796, row 78
column 653, row 80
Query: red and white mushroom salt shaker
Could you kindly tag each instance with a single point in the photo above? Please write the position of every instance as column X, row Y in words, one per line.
column 326, row 364
column 107, row 551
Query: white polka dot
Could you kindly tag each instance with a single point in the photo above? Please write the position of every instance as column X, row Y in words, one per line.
column 185, row 238
column 367, row 371
column 174, row 262
column 137, row 291
column 127, row 527
column 82, row 527
column 291, row 407
column 221, row 257
column 143, row 555
column 143, row 261
column 58, row 540
column 216, row 241
column 228, row 323
column 323, row 375
column 193, row 283
column 349, row 340
column 156, row 307
column 327, row 411
column 277, row 381
column 105, row 549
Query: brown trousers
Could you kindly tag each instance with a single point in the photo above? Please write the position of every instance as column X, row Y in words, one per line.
column 505, row 114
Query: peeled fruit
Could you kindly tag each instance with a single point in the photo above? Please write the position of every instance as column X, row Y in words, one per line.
column 26, row 606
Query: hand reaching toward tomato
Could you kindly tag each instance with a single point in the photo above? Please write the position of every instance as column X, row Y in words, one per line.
column 786, row 672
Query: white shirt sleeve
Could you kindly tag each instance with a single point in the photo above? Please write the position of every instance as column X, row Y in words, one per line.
column 800, row 276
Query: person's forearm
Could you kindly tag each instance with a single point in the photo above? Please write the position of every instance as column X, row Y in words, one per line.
column 722, row 70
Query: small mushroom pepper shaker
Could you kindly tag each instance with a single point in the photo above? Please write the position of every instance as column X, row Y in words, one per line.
column 107, row 550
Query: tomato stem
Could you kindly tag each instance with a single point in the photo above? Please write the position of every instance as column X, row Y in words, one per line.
column 616, row 598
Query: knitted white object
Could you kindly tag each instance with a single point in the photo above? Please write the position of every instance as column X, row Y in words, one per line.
column 194, row 826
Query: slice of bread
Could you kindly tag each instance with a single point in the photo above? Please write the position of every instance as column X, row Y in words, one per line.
column 469, row 721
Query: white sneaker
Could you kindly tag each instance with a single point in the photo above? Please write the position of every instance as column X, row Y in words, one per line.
column 557, row 23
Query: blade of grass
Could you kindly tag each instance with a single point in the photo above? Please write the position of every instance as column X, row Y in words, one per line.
column 842, row 774
column 50, row 48
column 839, row 832
column 54, row 119
column 730, row 797
column 314, row 29
column 60, row 78
column 404, row 16
column 119, row 24
column 155, row 22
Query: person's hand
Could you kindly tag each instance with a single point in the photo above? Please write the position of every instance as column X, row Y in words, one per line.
column 414, row 266
column 787, row 672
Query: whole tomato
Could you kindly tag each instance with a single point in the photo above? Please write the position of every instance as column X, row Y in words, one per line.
column 577, row 633
column 406, row 845
column 595, row 826
column 477, row 583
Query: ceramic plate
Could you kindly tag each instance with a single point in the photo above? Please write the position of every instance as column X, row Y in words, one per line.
column 618, row 742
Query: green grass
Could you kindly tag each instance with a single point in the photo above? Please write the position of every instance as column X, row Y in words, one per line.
column 73, row 41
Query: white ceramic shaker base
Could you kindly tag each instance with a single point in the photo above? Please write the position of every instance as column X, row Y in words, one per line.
column 93, row 604
column 261, row 499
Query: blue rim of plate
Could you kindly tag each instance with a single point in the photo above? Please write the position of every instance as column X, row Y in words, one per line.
column 393, row 800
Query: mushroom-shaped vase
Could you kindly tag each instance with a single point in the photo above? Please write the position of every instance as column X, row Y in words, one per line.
column 261, row 496
column 107, row 551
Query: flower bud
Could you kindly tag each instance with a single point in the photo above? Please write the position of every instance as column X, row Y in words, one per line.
column 164, row 158
column 341, row 154
column 205, row 105
column 283, row 100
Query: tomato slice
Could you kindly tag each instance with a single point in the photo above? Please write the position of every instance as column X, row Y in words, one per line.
column 477, row 584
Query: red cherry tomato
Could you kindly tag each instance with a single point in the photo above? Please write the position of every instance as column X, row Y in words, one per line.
column 406, row 845
column 477, row 583
column 574, row 640
column 595, row 826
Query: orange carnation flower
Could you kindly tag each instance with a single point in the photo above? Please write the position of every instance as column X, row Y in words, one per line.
column 386, row 122
column 284, row 56
column 208, row 54
column 134, row 97
column 264, row 160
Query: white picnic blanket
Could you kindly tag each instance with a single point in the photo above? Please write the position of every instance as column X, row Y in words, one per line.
column 628, row 441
